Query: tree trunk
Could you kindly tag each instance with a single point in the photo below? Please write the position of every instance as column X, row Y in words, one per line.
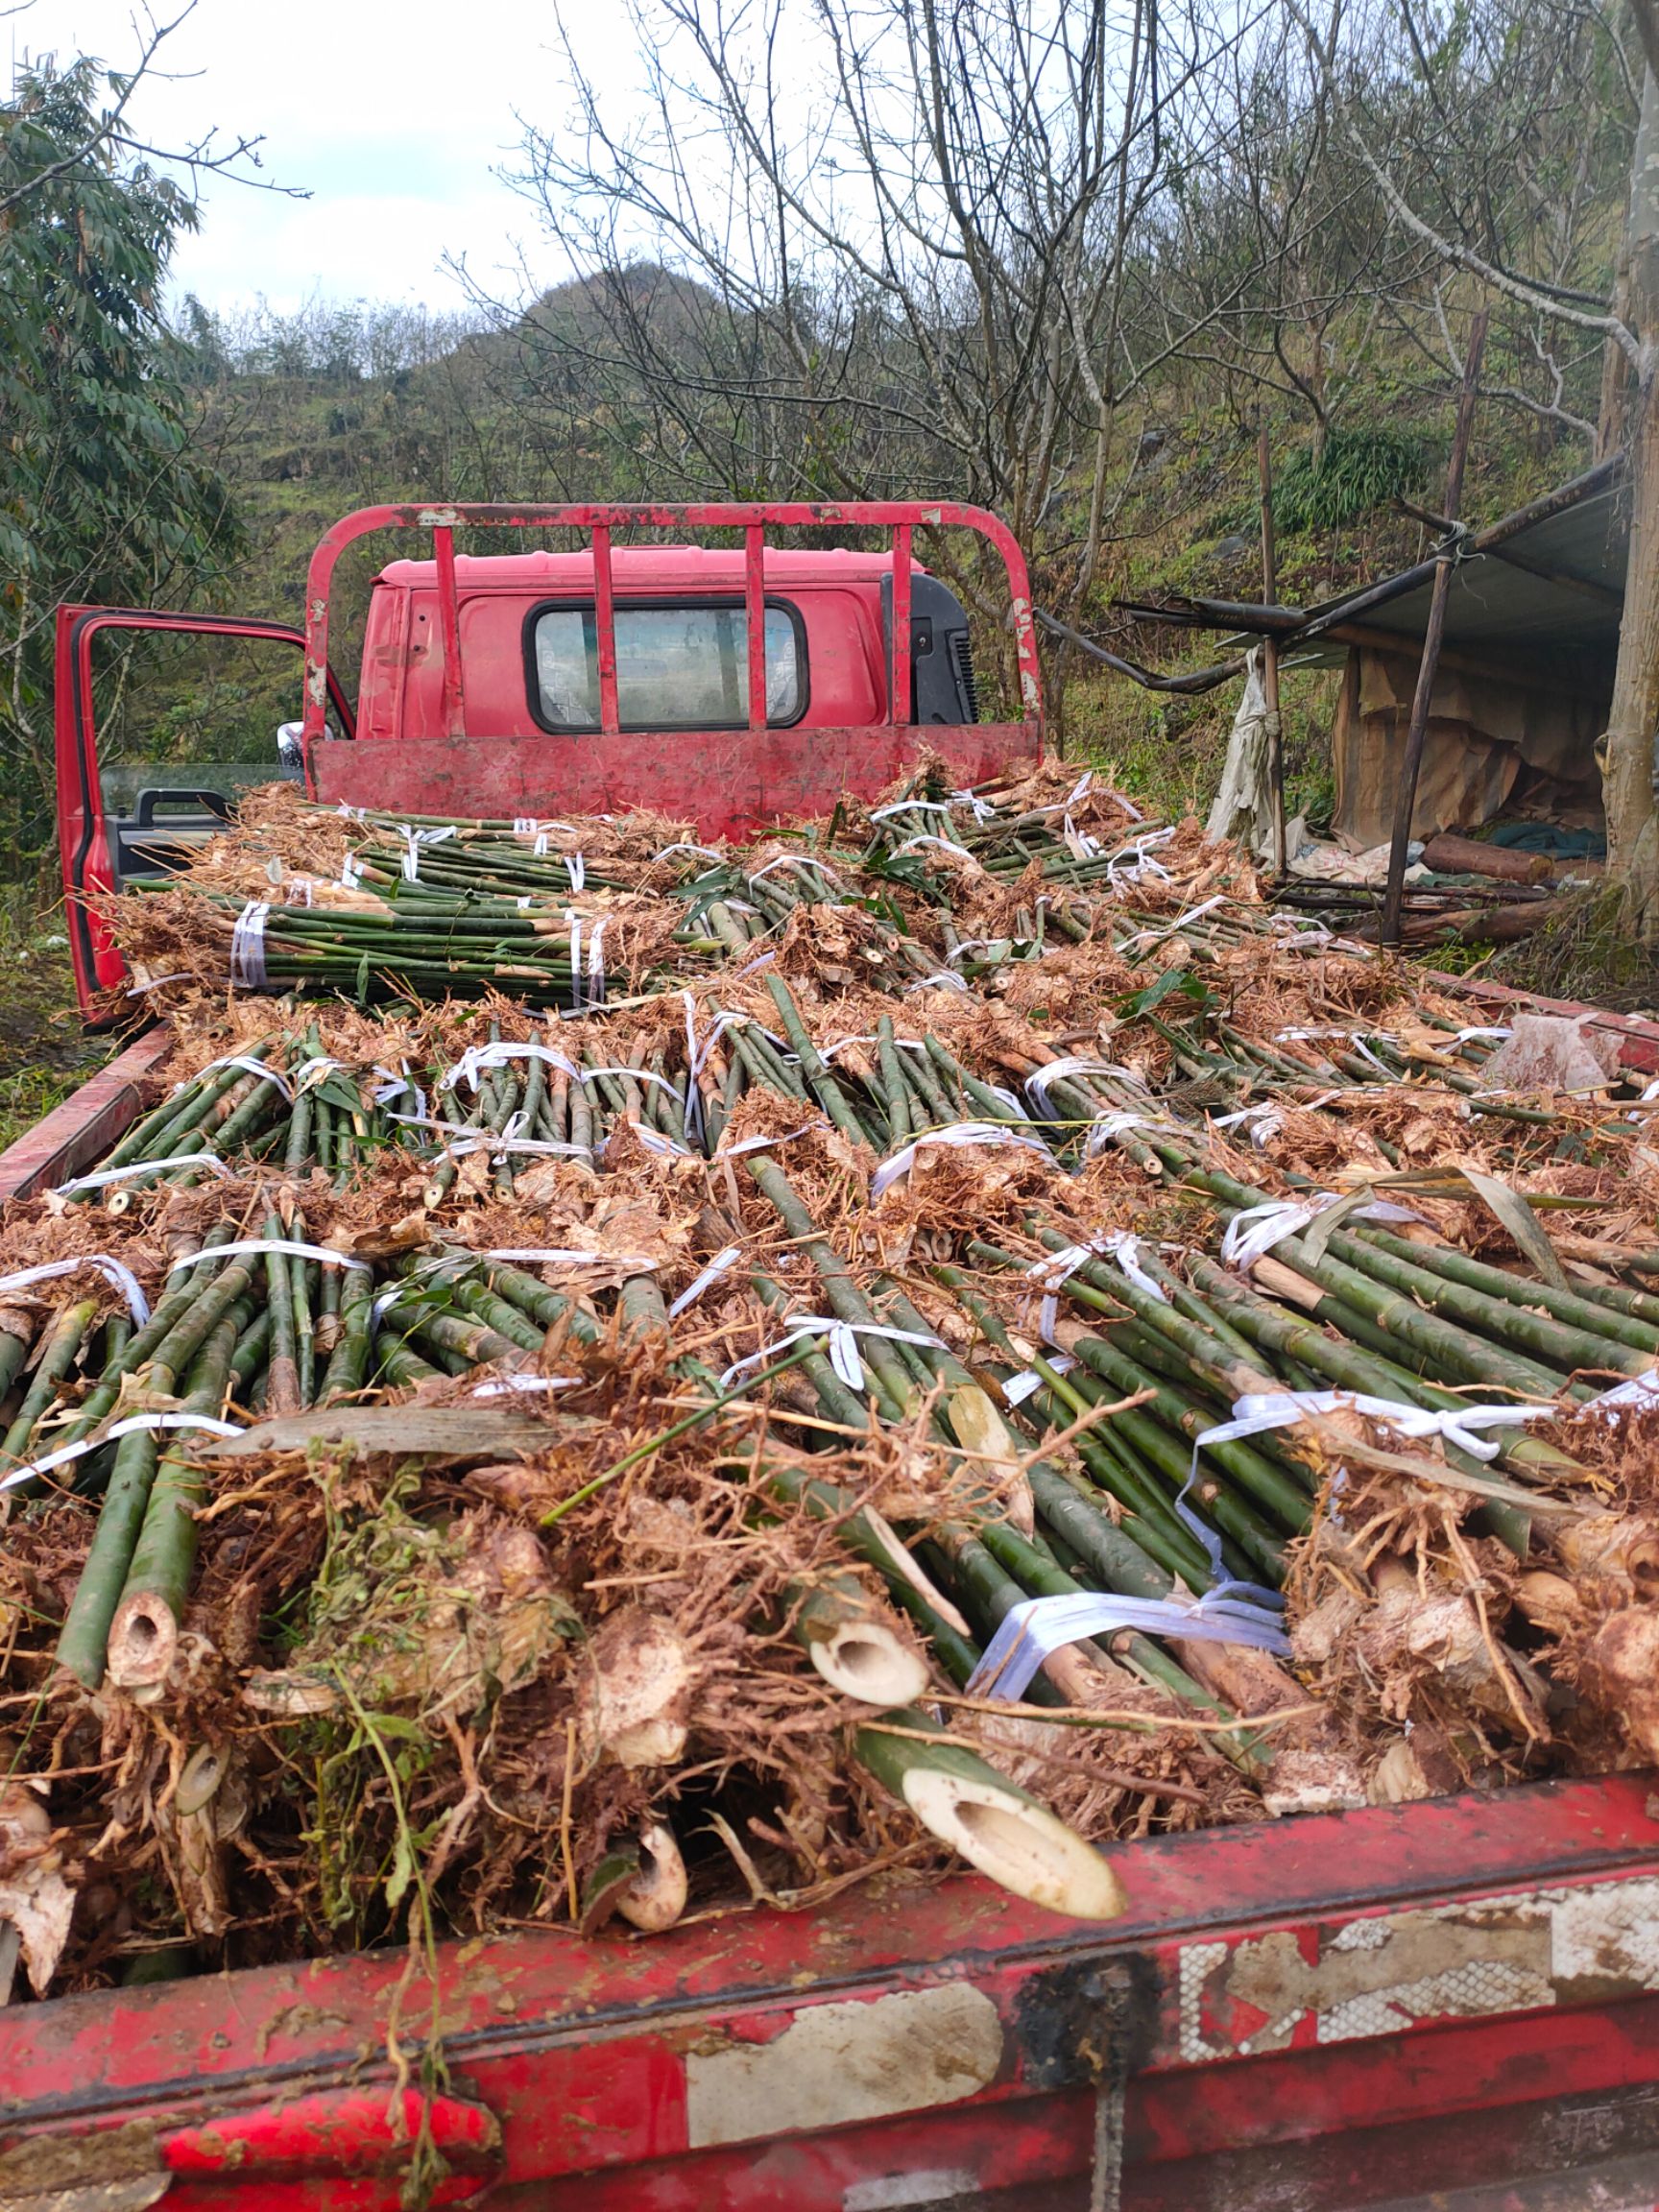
column 1627, row 769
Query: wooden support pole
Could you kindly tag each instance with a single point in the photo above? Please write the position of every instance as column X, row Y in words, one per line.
column 1270, row 651
column 1405, row 797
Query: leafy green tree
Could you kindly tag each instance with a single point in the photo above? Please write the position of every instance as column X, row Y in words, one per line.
column 105, row 494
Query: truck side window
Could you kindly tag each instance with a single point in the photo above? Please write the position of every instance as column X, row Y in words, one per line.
column 678, row 667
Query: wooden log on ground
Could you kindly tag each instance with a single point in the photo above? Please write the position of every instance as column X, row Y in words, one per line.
column 1449, row 854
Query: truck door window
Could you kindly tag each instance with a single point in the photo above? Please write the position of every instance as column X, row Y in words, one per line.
column 678, row 667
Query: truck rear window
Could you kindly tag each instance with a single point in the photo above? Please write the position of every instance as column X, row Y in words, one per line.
column 678, row 667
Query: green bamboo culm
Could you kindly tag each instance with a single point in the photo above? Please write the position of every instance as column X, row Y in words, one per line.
column 143, row 1633
column 84, row 1638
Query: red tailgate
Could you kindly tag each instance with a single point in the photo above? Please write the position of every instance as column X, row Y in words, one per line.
column 1317, row 2013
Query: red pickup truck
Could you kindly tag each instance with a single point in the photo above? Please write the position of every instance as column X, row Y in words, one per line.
column 1452, row 2004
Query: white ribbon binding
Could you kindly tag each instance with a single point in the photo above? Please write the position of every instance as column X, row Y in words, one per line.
column 108, row 1175
column 1056, row 1270
column 1019, row 1387
column 955, row 1133
column 1037, row 1628
column 114, row 1272
column 1457, row 1425
column 1254, row 1232
column 710, row 1276
column 413, row 840
column 524, row 1385
column 843, row 1345
column 478, row 1057
column 250, row 1066
column 1640, row 1395
column 131, row 1427
column 322, row 1254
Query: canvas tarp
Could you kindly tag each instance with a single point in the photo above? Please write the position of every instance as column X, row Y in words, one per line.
column 1491, row 748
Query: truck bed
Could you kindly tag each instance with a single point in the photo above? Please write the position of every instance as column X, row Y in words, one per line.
column 1453, row 2003
column 1450, row 2003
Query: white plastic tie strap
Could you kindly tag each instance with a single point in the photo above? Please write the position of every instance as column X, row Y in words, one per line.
column 1258, row 1122
column 1060, row 1072
column 478, row 1057
column 322, row 1254
column 910, row 806
column 735, row 1151
column 248, row 947
column 114, row 1271
column 596, row 963
column 966, row 944
column 843, row 1345
column 1133, row 863
column 413, row 840
column 1253, row 1233
column 131, row 1427
column 135, row 1167
column 654, row 1141
column 1055, row 1269
column 1078, row 842
column 1355, row 1037
column 524, row 1385
column 1640, row 1395
column 1456, row 1424
column 498, row 1143
column 802, row 862
column 954, row 1134
column 576, row 868
column 251, row 1067
column 710, row 1276
column 402, row 1086
column 634, row 1075
column 1106, row 1129
column 1037, row 1628
column 1019, row 1387
column 314, row 1071
column 935, row 844
column 1192, row 914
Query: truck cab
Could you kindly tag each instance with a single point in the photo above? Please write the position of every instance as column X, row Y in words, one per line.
column 530, row 644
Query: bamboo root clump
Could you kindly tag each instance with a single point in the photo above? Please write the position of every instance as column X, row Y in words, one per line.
column 512, row 1436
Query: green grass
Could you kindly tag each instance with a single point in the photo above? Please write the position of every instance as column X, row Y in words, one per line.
column 1589, row 954
column 1165, row 751
column 44, row 1052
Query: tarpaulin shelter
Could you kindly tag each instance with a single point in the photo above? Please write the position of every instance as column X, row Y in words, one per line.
column 1526, row 673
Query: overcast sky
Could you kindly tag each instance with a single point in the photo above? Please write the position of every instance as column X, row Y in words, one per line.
column 392, row 116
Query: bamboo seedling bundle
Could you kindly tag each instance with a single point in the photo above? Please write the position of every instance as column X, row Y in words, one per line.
column 564, row 1436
